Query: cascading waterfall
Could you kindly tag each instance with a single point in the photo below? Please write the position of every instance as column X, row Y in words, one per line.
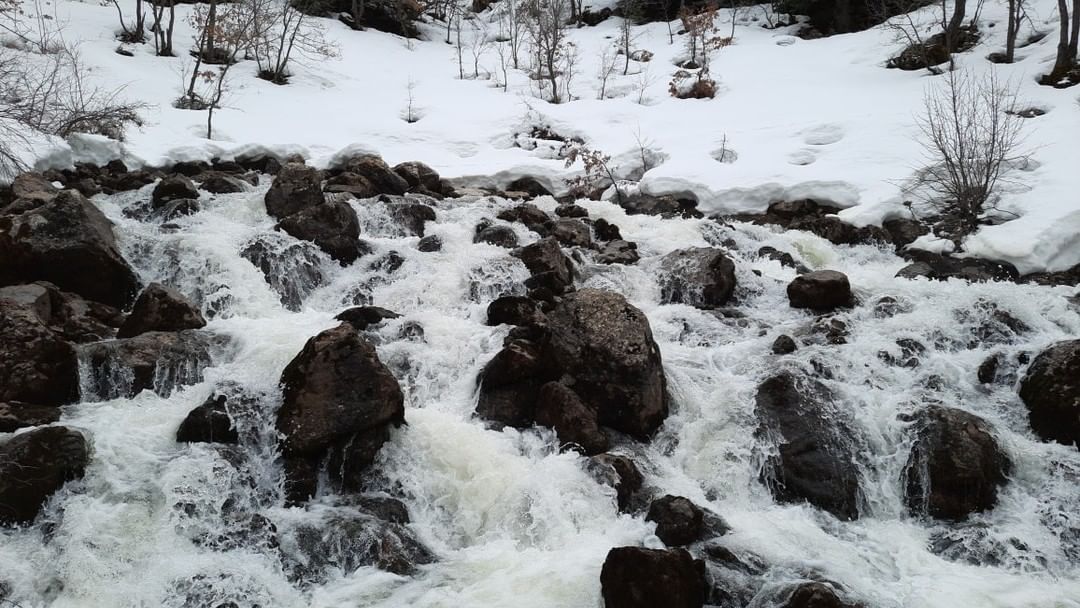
column 508, row 519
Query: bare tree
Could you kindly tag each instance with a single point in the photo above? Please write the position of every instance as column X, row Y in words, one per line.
column 163, row 31
column 411, row 113
column 627, row 37
column 1068, row 37
column 136, row 32
column 1017, row 15
column 34, row 26
column 479, row 45
column 606, row 69
column 970, row 134
column 232, row 28
column 278, row 29
column 597, row 170
column 546, row 25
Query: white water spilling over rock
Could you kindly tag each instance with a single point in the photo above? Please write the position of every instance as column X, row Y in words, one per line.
column 508, row 519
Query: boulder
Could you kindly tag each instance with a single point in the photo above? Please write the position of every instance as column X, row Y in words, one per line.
column 571, row 210
column 605, row 344
column 571, row 232
column 574, row 423
column 663, row 206
column 815, row 460
column 528, row 214
column 216, row 182
column 940, row 267
column 419, row 176
column 377, row 173
column 208, row 423
column 784, row 345
column 620, row 473
column 618, row 252
column 292, row 269
column 815, row 595
column 678, row 521
column 703, row 277
column 514, row 310
column 430, row 243
column 635, row 577
column 37, row 365
column 69, row 242
column 820, row 291
column 548, row 265
column 33, row 186
column 158, row 361
column 509, row 384
column 955, row 467
column 390, row 16
column 332, row 226
column 606, row 231
column 412, row 217
column 160, row 308
column 362, row 317
column 178, row 208
column 33, row 466
column 904, row 231
column 351, row 183
column 172, row 188
column 296, row 187
column 335, row 388
column 500, row 236
column 15, row 415
column 529, row 185
column 1051, row 392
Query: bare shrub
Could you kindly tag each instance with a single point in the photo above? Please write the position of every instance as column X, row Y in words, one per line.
column 546, row 27
column 702, row 37
column 597, row 171
column 970, row 137
column 34, row 26
column 278, row 30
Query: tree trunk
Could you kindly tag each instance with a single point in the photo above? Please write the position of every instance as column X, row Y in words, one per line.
column 1064, row 61
column 952, row 32
column 1074, row 39
column 1010, row 34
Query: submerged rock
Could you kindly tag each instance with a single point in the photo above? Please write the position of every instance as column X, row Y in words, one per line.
column 33, row 466
column 158, row 361
column 955, row 467
column 635, row 577
column 1051, row 392
column 292, row 269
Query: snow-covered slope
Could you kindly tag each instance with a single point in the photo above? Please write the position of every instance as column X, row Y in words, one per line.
column 805, row 118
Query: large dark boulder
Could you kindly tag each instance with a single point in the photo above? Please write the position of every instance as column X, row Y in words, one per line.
column 411, row 216
column 815, row 595
column 160, row 308
column 571, row 232
column 703, row 277
column 621, row 474
column 334, row 388
column 941, row 267
column 332, row 226
column 820, row 291
column 421, row 178
column 208, row 423
column 296, row 187
column 528, row 214
column 33, row 466
column 156, row 360
column 350, row 183
column 509, row 384
column 390, row 16
column 574, row 422
column 1051, row 392
column 605, row 345
column 69, row 242
column 815, row 459
column 955, row 467
column 635, row 577
column 663, row 206
column 678, row 521
column 37, row 365
column 375, row 170
column 174, row 187
column 292, row 269
column 15, row 415
column 514, row 310
column 362, row 317
column 549, row 266
column 496, row 234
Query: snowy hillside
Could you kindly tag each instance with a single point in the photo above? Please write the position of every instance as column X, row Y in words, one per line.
column 798, row 118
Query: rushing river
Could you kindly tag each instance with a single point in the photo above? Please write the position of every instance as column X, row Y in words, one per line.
column 511, row 521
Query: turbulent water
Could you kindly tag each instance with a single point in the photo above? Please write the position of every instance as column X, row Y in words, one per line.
column 511, row 520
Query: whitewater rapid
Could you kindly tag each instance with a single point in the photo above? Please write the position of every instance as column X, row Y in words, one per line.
column 514, row 522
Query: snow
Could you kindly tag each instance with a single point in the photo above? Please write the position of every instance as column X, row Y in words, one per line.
column 801, row 118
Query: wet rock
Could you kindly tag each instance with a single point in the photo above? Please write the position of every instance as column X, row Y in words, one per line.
column 362, row 317
column 37, row 365
column 217, row 182
column 635, row 577
column 514, row 310
column 816, row 217
column 571, row 210
column 620, row 473
column 605, row 344
column 618, row 252
column 988, row 369
column 335, row 388
column 664, row 206
column 575, row 424
column 529, row 185
column 606, row 231
column 528, row 214
column 208, row 423
column 296, row 187
column 333, row 227
column 904, row 231
column 509, row 384
column 784, row 345
column 69, row 242
column 939, row 267
column 291, row 269
column 158, row 361
column 1069, row 276
column 375, row 170
column 419, row 176
column 15, row 415
column 33, row 466
column 990, row 324
column 833, row 330
column 173, row 188
column 821, row 291
column 412, row 217
column 888, row 306
column 955, row 467
column 500, row 236
column 1051, row 392
column 910, row 351
column 351, row 183
column 571, row 232
column 381, row 507
column 160, row 308
column 550, row 268
column 178, row 208
column 344, row 540
column 815, row 461
column 702, row 277
column 430, row 243
column 815, row 595
column 784, row 258
column 350, row 459
column 678, row 521
column 33, row 186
